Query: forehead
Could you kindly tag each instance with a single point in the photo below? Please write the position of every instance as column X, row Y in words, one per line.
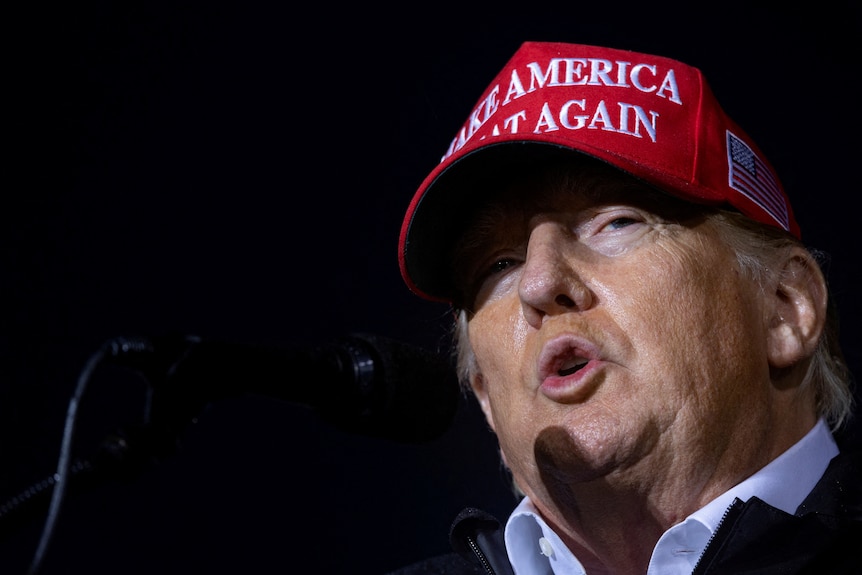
column 572, row 188
column 577, row 183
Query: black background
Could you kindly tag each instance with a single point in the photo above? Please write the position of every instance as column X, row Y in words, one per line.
column 239, row 171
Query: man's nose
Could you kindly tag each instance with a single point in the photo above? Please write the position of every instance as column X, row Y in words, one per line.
column 550, row 283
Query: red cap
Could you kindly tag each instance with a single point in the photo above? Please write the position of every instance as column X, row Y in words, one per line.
column 650, row 116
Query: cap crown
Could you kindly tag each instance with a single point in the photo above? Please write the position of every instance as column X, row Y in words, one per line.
column 650, row 116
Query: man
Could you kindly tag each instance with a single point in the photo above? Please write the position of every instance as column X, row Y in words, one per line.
column 644, row 330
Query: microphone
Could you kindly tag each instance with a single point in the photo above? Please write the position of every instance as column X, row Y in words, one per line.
column 361, row 383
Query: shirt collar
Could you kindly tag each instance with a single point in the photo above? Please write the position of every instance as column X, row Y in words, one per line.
column 805, row 462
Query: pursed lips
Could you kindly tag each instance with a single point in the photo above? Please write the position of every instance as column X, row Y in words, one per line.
column 561, row 368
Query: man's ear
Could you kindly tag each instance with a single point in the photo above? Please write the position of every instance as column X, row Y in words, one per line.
column 797, row 310
column 480, row 390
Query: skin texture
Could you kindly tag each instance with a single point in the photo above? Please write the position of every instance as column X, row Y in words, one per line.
column 690, row 371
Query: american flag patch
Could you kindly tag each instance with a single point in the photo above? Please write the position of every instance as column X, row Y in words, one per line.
column 752, row 178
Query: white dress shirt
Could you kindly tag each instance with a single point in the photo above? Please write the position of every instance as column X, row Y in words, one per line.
column 534, row 549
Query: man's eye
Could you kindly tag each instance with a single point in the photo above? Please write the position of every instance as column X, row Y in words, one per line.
column 501, row 265
column 619, row 223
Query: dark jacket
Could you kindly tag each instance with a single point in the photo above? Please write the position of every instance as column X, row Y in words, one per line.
column 824, row 537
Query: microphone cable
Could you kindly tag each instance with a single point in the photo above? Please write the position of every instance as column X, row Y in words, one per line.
column 60, row 478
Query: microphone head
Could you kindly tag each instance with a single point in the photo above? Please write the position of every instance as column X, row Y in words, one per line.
column 361, row 383
column 412, row 392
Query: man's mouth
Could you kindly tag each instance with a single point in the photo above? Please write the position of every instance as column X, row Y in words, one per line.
column 571, row 367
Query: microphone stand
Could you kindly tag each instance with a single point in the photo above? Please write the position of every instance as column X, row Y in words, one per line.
column 123, row 454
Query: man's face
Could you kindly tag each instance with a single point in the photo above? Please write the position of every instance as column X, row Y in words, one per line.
column 614, row 340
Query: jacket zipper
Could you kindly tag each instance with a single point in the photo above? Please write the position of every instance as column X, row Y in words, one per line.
column 480, row 556
column 708, row 551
